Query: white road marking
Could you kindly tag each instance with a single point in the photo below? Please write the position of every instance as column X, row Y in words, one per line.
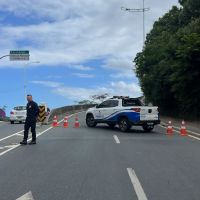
column 166, row 127
column 136, row 184
column 27, row 196
column 11, row 135
column 194, row 133
column 19, row 134
column 116, row 139
column 179, row 130
column 17, row 145
column 11, row 146
column 1, row 154
column 8, row 146
column 194, row 137
column 197, row 138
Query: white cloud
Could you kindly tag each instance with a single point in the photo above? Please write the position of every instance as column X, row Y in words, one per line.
column 81, row 67
column 83, row 75
column 122, row 88
column 124, row 74
column 50, row 84
column 79, row 93
column 74, row 32
column 53, row 77
column 119, row 63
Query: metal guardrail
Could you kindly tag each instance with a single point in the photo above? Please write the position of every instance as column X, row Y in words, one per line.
column 61, row 112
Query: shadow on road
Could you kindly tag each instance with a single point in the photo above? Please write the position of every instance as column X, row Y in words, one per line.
column 131, row 131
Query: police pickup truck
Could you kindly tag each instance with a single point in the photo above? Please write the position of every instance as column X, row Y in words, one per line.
column 125, row 112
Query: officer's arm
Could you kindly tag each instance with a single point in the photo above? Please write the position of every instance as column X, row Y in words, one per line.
column 37, row 110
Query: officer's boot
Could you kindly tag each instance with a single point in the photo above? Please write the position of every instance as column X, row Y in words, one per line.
column 32, row 142
column 23, row 142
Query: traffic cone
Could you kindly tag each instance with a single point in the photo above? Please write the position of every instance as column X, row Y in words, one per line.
column 183, row 131
column 55, row 122
column 76, row 123
column 169, row 129
column 65, row 123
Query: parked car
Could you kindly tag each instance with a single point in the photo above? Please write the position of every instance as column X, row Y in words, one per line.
column 125, row 112
column 18, row 114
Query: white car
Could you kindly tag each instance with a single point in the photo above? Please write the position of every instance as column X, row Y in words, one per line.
column 18, row 114
column 125, row 112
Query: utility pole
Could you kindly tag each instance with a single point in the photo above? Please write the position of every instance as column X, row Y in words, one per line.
column 143, row 10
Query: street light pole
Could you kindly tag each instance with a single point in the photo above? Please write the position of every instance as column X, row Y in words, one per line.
column 25, row 83
column 143, row 24
column 143, row 10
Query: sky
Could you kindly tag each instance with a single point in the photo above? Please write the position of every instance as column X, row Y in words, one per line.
column 77, row 48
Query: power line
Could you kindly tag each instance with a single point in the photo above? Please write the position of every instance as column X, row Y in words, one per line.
column 143, row 10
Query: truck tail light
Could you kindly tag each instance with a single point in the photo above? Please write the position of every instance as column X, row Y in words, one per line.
column 136, row 109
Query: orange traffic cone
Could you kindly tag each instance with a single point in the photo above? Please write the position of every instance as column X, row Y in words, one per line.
column 55, row 122
column 169, row 129
column 76, row 123
column 183, row 131
column 65, row 123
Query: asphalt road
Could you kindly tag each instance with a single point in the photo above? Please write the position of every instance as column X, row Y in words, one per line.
column 99, row 163
column 6, row 129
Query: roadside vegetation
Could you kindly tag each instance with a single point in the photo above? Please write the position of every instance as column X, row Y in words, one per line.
column 168, row 68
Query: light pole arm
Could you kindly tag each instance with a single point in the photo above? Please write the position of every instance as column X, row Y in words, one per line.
column 4, row 56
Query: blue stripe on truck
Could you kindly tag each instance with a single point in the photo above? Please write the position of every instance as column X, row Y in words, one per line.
column 131, row 115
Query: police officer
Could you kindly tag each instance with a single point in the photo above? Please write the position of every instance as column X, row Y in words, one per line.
column 31, row 119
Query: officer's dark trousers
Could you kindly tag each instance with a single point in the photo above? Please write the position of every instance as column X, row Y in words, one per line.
column 30, row 124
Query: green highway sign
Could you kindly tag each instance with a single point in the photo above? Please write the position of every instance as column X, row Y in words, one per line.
column 16, row 55
column 19, row 52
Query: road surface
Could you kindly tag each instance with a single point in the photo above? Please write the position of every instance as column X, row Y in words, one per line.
column 98, row 164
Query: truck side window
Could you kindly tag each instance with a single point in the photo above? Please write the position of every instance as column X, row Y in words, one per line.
column 113, row 103
column 105, row 104
column 109, row 104
column 131, row 102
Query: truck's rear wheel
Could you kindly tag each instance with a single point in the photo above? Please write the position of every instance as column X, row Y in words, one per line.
column 124, row 125
column 147, row 128
column 90, row 121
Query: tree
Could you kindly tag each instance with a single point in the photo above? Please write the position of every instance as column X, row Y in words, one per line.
column 100, row 97
column 84, row 102
column 168, row 67
column 94, row 99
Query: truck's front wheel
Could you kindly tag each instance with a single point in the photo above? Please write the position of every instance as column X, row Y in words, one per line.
column 90, row 121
